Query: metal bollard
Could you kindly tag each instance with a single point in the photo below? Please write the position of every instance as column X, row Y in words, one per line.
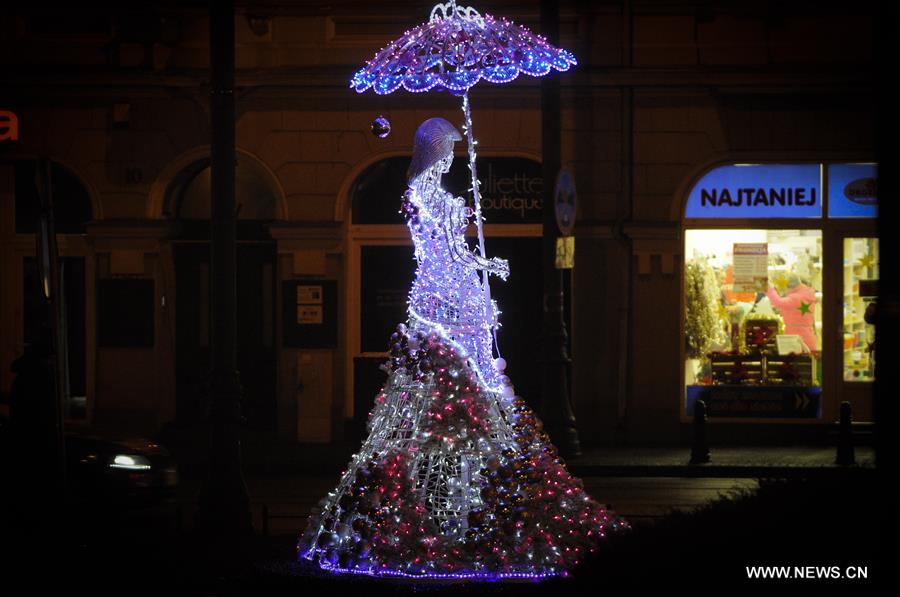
column 846, row 454
column 700, row 447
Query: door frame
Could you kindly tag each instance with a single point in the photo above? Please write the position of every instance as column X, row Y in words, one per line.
column 276, row 346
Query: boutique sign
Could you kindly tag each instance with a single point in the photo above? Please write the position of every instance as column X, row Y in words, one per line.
column 511, row 189
column 758, row 191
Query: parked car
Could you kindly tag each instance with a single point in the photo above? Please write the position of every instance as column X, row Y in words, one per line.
column 106, row 469
column 119, row 470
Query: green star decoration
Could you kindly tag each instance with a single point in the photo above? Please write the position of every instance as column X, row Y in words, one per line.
column 804, row 307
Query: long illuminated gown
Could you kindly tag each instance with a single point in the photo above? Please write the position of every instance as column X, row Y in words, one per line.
column 456, row 477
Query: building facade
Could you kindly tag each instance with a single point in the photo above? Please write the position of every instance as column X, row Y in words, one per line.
column 664, row 96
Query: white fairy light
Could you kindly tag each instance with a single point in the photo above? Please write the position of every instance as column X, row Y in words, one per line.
column 420, row 451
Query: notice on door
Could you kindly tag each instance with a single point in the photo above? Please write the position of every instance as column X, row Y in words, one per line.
column 309, row 295
column 309, row 305
column 309, row 314
column 751, row 267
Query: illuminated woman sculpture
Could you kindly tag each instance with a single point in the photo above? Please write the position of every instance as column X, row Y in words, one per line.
column 456, row 478
column 447, row 295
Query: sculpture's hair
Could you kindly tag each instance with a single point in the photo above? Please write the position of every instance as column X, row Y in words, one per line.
column 434, row 140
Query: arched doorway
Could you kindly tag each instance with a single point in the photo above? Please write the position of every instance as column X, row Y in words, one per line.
column 187, row 204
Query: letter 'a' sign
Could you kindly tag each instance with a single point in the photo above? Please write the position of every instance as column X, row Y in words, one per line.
column 9, row 126
column 758, row 191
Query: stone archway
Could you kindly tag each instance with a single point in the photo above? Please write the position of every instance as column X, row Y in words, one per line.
column 192, row 162
column 181, row 195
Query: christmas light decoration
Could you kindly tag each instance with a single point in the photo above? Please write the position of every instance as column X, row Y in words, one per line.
column 457, row 478
column 381, row 127
column 454, row 50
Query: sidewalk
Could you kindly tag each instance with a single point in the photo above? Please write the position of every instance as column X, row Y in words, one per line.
column 274, row 459
column 725, row 461
column 677, row 520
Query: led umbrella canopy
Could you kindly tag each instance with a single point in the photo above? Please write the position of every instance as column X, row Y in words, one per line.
column 454, row 50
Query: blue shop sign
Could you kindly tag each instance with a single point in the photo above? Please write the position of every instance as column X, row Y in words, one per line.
column 853, row 190
column 758, row 191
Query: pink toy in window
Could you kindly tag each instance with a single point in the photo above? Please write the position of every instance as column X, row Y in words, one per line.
column 797, row 308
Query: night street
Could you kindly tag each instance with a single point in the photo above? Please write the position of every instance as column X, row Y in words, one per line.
column 500, row 297
column 139, row 551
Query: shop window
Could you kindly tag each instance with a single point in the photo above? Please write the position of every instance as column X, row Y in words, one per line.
column 753, row 321
column 860, row 291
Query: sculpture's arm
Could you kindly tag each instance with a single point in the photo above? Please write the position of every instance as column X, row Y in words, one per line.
column 460, row 251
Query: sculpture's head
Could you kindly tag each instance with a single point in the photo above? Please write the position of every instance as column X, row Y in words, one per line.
column 433, row 147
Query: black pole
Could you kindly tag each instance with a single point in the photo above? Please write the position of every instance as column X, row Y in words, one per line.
column 555, row 408
column 700, row 446
column 224, row 504
column 47, row 259
column 846, row 454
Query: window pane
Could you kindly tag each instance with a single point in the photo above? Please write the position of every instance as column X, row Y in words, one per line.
column 860, row 290
column 753, row 321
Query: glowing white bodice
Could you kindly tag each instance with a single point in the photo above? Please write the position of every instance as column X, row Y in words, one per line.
column 447, row 294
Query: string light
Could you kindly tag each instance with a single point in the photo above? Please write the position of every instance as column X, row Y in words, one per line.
column 456, row 478
column 455, row 49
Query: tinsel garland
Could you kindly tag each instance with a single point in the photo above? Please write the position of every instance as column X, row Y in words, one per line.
column 701, row 323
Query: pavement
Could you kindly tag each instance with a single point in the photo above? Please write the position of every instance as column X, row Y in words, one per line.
column 654, row 487
column 725, row 461
column 690, row 532
column 277, row 458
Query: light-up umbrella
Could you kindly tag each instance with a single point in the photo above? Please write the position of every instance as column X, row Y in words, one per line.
column 454, row 50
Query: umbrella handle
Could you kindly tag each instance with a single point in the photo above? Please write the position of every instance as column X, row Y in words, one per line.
column 476, row 196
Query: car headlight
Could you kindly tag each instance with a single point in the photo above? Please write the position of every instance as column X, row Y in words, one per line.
column 131, row 462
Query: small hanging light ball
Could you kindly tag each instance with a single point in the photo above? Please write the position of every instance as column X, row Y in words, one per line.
column 381, row 127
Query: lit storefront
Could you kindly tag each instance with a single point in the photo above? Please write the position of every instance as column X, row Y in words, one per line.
column 780, row 279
